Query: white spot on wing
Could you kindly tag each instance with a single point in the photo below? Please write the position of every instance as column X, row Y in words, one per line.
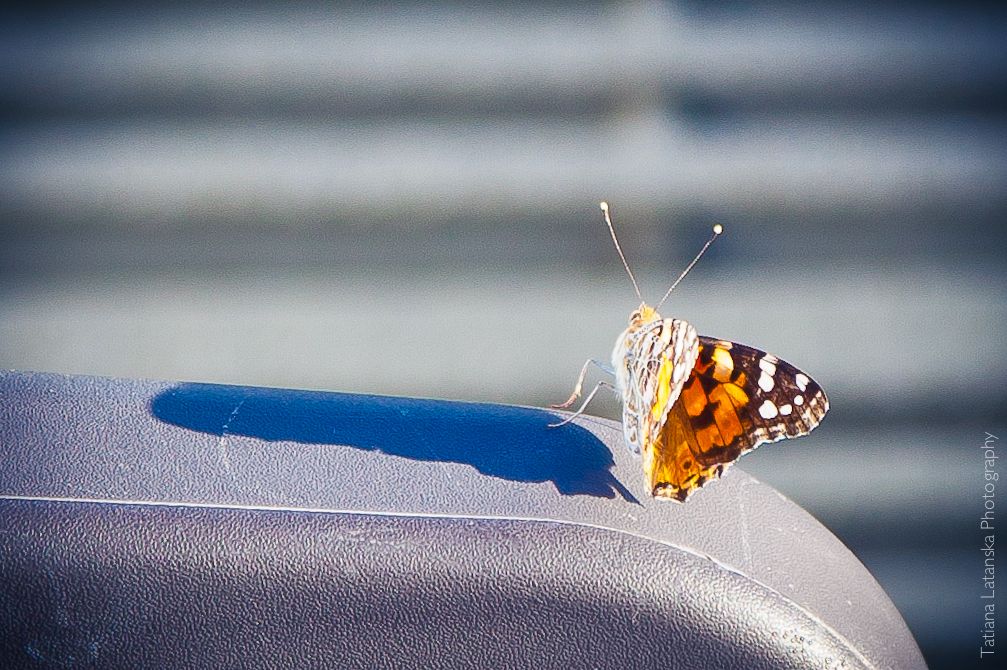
column 768, row 410
column 766, row 382
column 768, row 366
column 799, row 400
column 802, row 381
column 786, row 410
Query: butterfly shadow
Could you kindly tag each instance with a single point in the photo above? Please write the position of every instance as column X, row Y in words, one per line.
column 506, row 442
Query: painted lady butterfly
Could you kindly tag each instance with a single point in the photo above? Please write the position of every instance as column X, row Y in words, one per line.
column 692, row 405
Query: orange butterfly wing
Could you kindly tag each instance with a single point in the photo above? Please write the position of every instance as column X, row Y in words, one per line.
column 735, row 399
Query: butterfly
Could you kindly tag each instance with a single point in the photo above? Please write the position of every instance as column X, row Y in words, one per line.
column 691, row 404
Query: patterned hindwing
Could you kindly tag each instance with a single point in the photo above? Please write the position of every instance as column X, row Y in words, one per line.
column 631, row 422
column 735, row 399
column 656, row 360
column 664, row 356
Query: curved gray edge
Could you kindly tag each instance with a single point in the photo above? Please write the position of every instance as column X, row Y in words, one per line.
column 183, row 446
column 216, row 587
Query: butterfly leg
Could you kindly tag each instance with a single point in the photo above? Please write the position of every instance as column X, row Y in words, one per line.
column 590, row 397
column 580, row 382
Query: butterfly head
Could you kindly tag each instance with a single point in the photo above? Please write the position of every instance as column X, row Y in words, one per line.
column 643, row 315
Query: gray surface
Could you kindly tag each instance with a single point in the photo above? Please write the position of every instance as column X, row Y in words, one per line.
column 239, row 588
column 156, row 476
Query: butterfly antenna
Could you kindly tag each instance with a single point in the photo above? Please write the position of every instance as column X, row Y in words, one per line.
column 611, row 229
column 717, row 230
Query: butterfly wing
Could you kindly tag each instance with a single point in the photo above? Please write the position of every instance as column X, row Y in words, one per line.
column 631, row 422
column 736, row 398
column 670, row 468
column 658, row 360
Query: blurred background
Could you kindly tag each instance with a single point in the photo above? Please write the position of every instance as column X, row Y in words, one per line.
column 403, row 199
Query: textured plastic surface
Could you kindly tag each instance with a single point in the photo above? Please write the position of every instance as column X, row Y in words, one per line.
column 151, row 524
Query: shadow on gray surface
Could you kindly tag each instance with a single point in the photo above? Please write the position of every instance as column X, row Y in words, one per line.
column 511, row 443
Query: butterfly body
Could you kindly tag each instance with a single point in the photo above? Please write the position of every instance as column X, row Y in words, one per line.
column 692, row 404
